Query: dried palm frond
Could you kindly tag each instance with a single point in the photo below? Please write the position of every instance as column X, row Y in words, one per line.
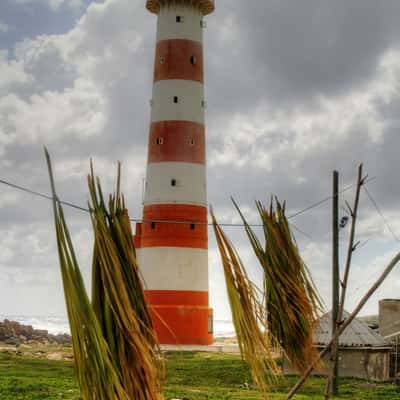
column 118, row 296
column 97, row 377
column 291, row 299
column 247, row 313
column 115, row 346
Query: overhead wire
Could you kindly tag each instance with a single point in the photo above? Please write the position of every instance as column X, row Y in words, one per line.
column 80, row 208
column 378, row 209
column 385, row 222
column 42, row 195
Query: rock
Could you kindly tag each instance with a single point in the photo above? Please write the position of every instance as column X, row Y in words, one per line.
column 25, row 333
column 8, row 350
column 12, row 340
column 60, row 339
column 54, row 356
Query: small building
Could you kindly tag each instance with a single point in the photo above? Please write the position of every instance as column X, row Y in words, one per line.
column 389, row 328
column 389, row 317
column 363, row 353
column 394, row 339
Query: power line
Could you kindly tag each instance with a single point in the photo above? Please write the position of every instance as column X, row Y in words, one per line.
column 326, row 199
column 80, row 208
column 42, row 195
column 375, row 204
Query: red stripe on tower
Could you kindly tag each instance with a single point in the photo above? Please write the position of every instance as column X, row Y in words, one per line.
column 182, row 141
column 172, row 241
column 179, row 59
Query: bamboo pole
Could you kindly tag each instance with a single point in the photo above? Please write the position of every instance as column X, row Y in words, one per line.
column 345, row 324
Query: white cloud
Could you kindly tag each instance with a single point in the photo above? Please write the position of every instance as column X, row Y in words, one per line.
column 267, row 134
column 11, row 72
column 68, row 80
column 79, row 111
column 364, row 274
column 54, row 4
column 85, row 93
column 3, row 27
column 9, row 199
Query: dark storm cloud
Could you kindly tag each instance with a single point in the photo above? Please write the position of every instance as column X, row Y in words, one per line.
column 294, row 90
column 285, row 51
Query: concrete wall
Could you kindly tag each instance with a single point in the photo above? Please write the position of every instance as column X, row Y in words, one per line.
column 357, row 363
column 389, row 316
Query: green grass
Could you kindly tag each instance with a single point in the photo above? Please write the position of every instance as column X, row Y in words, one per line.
column 23, row 378
column 190, row 376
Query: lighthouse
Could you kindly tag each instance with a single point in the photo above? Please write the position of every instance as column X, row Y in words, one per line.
column 171, row 242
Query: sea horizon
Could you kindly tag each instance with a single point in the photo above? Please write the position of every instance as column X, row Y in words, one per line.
column 56, row 324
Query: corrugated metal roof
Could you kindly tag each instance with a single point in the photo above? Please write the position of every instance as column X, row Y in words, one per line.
column 357, row 334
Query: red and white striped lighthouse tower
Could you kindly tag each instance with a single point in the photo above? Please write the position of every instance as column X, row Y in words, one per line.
column 172, row 241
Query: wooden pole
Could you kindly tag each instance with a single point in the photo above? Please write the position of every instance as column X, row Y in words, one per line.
column 335, row 282
column 332, row 365
column 332, row 381
column 345, row 324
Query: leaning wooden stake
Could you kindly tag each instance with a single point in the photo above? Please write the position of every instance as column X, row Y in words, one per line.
column 352, row 247
column 345, row 324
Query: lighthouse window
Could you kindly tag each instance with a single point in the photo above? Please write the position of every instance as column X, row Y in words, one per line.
column 210, row 324
column 153, row 225
column 203, row 24
column 173, row 182
column 193, row 60
column 203, row 103
column 159, row 140
column 179, row 18
column 162, row 59
column 192, row 141
column 192, row 227
column 175, row 99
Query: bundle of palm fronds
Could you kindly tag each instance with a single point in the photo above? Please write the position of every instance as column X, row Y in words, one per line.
column 291, row 299
column 247, row 313
column 114, row 343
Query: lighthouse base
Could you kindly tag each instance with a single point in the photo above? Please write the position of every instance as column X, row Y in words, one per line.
column 181, row 324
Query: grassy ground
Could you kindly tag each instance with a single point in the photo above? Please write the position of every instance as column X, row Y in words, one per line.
column 190, row 376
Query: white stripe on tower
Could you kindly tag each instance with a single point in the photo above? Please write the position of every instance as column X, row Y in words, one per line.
column 181, row 262
column 178, row 100
column 172, row 240
column 177, row 183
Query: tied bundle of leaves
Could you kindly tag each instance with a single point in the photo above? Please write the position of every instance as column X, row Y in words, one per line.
column 247, row 313
column 114, row 343
column 118, row 296
column 96, row 374
column 291, row 299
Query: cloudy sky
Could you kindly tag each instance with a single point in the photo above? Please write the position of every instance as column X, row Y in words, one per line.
column 295, row 89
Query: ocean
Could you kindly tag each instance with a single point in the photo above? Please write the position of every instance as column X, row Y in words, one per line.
column 58, row 325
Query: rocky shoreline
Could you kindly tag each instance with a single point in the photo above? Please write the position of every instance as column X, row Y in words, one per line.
column 14, row 333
